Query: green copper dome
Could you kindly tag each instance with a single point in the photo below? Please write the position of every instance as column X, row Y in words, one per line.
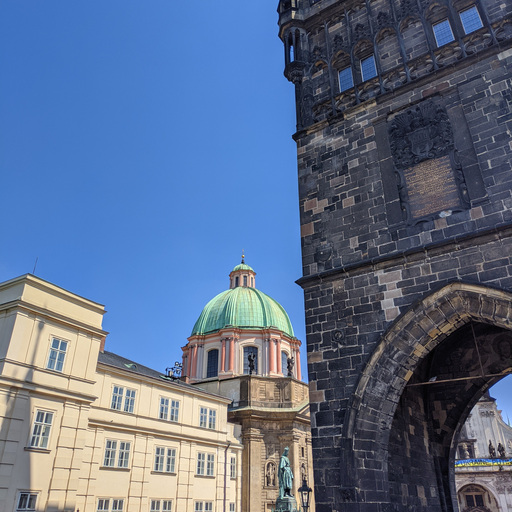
column 242, row 266
column 242, row 307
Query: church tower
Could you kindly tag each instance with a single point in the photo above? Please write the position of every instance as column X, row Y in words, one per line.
column 243, row 347
column 404, row 119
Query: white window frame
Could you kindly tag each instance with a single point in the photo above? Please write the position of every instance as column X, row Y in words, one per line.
column 201, row 463
column 31, row 498
column 129, row 400
column 232, row 468
column 165, row 460
column 124, row 454
column 198, row 506
column 208, row 506
column 116, row 451
column 169, row 409
column 57, row 354
column 41, row 429
column 117, row 398
column 160, row 505
column 210, row 464
column 110, row 505
column 207, row 418
column 232, row 507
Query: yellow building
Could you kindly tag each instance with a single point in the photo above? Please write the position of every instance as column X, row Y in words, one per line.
column 85, row 429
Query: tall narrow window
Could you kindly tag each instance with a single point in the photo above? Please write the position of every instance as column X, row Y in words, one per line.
column 232, row 467
column 117, row 398
column 245, row 280
column 174, row 411
column 57, row 355
column 346, row 79
column 443, row 32
column 164, row 408
column 129, row 400
column 212, row 415
column 210, row 465
column 201, row 458
column 203, row 417
column 237, row 281
column 212, row 366
column 41, row 429
column 110, row 453
column 247, row 352
column 368, row 68
column 471, row 20
column 124, row 454
column 284, row 363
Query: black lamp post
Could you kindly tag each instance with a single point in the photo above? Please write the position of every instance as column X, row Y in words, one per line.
column 305, row 493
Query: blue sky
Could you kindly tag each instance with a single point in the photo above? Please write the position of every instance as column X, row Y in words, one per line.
column 143, row 145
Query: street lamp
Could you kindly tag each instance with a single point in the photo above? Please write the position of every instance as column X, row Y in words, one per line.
column 305, row 492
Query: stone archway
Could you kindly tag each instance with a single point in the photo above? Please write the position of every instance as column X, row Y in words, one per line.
column 417, row 388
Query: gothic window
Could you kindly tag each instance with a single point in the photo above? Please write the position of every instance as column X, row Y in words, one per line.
column 470, row 19
column 368, row 68
column 248, row 351
column 346, row 79
column 212, row 366
column 443, row 33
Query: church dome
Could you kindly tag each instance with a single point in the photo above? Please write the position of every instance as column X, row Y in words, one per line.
column 244, row 307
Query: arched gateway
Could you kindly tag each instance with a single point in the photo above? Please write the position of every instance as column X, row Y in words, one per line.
column 405, row 189
column 436, row 359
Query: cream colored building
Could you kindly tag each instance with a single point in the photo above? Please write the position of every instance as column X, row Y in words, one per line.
column 483, row 475
column 85, row 429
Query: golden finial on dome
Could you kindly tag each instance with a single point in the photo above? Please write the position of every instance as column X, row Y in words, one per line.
column 243, row 257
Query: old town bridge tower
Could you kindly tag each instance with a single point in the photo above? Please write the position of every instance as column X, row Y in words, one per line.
column 404, row 146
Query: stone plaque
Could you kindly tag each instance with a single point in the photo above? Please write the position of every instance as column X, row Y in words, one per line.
column 431, row 187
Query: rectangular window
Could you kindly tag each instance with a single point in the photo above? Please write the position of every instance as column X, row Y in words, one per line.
column 26, row 502
column 212, row 419
column 368, row 68
column 210, row 465
column 201, row 457
column 155, row 506
column 207, row 418
column 170, row 461
column 129, row 400
column 232, row 507
column 117, row 398
column 117, row 505
column 166, row 505
column 103, row 505
column 232, row 468
column 208, row 506
column 57, row 354
column 124, row 454
column 443, row 33
column 203, row 417
column 159, row 458
column 346, row 79
column 164, row 408
column 198, row 506
column 175, row 410
column 471, row 20
column 110, row 453
column 41, row 429
column 161, row 506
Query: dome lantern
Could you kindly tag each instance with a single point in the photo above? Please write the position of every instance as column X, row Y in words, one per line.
column 242, row 275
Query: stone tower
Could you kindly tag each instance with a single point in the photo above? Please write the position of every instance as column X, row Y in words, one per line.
column 404, row 162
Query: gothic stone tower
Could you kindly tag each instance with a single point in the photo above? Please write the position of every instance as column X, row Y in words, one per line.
column 404, row 159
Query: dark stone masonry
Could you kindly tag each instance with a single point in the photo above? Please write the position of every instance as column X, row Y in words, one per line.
column 404, row 122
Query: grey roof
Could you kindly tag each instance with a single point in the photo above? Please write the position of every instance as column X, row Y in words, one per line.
column 127, row 365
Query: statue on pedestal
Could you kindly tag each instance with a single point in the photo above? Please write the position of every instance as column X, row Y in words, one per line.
column 285, row 502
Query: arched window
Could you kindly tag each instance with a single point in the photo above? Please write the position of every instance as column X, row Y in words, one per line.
column 245, row 280
column 212, row 365
column 248, row 351
column 284, row 362
column 237, row 281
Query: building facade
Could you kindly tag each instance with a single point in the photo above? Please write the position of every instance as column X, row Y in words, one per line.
column 243, row 347
column 85, row 429
column 405, row 174
column 483, row 466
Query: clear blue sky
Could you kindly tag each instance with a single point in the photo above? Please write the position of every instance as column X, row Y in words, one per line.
column 143, row 144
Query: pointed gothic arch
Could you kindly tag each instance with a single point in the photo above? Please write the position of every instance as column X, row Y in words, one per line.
column 425, row 349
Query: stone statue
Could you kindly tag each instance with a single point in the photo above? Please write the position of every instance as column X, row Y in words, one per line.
column 501, row 450
column 492, row 451
column 250, row 359
column 466, row 451
column 285, row 475
column 271, row 474
column 290, row 362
